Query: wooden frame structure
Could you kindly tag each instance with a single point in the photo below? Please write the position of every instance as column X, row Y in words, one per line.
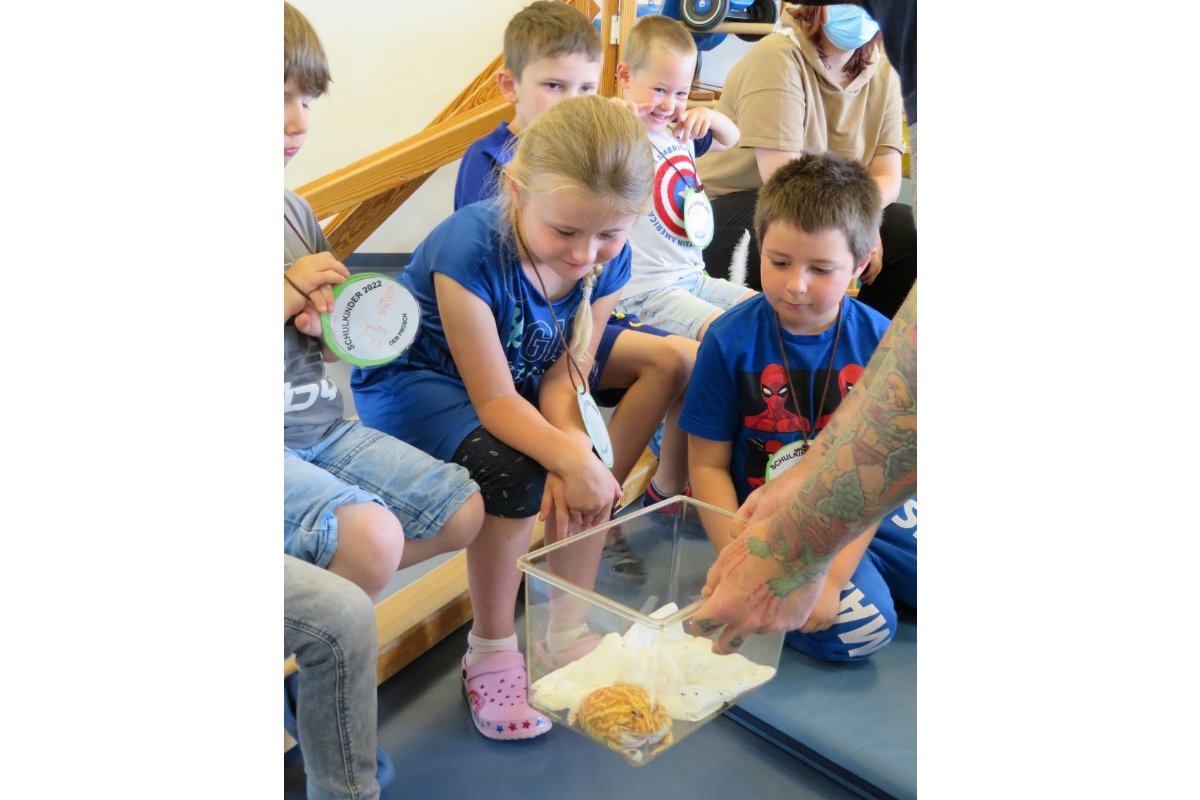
column 360, row 197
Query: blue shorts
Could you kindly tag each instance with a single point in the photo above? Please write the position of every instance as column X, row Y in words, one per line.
column 617, row 324
column 683, row 307
column 355, row 464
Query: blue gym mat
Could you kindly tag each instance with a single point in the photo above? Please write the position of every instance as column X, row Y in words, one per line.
column 854, row 721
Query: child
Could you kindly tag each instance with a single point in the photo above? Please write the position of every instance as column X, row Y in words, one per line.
column 491, row 383
column 668, row 287
column 551, row 52
column 771, row 373
column 351, row 495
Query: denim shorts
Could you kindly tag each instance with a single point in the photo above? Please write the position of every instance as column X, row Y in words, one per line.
column 355, row 464
column 683, row 307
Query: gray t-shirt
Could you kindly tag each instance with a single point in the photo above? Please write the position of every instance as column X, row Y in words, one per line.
column 311, row 402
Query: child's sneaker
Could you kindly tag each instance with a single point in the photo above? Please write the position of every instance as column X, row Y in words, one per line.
column 652, row 496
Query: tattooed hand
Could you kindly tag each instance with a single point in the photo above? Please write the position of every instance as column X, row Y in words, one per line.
column 758, row 585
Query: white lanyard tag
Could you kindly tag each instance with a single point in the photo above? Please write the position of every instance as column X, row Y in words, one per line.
column 374, row 319
column 596, row 430
column 785, row 458
column 697, row 217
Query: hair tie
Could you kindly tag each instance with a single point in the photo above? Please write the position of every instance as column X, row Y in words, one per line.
column 587, row 290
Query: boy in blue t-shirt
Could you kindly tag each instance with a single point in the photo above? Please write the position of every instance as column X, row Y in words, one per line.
column 771, row 372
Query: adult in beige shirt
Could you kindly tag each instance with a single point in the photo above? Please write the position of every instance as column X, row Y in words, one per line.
column 794, row 91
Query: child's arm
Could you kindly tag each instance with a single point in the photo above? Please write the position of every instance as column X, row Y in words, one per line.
column 311, row 279
column 474, row 344
column 697, row 121
column 308, row 292
column 558, row 400
column 708, row 470
column 841, row 569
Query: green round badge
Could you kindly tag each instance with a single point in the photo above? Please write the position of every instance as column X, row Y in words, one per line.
column 374, row 319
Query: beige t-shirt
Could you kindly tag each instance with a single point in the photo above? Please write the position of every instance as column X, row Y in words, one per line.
column 782, row 98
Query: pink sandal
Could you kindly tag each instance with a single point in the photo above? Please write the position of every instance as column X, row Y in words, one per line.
column 497, row 692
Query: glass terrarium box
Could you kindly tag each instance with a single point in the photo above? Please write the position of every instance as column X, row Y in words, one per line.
column 611, row 652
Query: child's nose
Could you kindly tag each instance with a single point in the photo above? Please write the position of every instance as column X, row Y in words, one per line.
column 585, row 252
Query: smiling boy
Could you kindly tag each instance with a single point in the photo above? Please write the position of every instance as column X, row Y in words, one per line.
column 772, row 371
column 668, row 287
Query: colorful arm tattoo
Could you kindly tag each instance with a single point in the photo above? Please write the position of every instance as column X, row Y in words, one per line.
column 867, row 467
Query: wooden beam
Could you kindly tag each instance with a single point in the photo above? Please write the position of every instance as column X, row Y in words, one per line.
column 433, row 147
column 350, row 228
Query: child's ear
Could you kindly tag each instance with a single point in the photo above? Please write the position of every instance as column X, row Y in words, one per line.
column 862, row 265
column 507, row 84
column 513, row 191
column 623, row 74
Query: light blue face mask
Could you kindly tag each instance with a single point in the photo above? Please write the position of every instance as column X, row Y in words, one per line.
column 849, row 27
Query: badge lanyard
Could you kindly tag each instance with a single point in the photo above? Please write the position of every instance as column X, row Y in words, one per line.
column 697, row 210
column 593, row 422
column 786, row 457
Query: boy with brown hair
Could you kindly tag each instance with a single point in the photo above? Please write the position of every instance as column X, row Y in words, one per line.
column 771, row 373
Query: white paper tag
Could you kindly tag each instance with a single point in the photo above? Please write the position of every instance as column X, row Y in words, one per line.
column 596, row 430
column 374, row 319
column 697, row 217
column 785, row 458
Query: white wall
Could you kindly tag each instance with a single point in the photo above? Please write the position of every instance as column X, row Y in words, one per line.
column 395, row 66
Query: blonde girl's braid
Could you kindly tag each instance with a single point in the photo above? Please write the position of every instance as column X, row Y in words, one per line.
column 592, row 146
column 582, row 333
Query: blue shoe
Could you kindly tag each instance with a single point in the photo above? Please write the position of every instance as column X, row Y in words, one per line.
column 652, row 496
column 656, row 442
column 385, row 773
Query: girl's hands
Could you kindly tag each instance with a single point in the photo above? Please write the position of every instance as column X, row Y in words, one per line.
column 582, row 497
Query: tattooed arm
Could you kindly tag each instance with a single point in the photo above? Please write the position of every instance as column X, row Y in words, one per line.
column 769, row 578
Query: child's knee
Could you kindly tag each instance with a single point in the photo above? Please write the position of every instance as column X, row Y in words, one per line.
column 464, row 524
column 676, row 360
column 370, row 536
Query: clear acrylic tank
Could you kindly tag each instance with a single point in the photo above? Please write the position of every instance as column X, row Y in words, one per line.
column 640, row 681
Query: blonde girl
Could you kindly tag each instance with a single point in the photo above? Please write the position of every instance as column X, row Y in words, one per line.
column 492, row 384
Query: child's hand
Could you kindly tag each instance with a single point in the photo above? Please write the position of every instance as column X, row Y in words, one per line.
column 825, row 612
column 584, row 496
column 308, row 321
column 693, row 123
column 315, row 276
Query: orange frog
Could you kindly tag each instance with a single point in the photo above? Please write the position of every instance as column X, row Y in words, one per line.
column 623, row 718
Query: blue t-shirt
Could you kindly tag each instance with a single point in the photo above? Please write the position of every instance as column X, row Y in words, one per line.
column 477, row 170
column 739, row 391
column 420, row 397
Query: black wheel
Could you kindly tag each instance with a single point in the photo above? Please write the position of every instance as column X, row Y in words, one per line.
column 703, row 15
column 762, row 11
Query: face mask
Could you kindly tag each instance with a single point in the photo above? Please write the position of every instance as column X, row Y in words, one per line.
column 849, row 27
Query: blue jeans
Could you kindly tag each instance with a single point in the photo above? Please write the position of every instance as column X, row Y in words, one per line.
column 683, row 307
column 355, row 464
column 329, row 623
